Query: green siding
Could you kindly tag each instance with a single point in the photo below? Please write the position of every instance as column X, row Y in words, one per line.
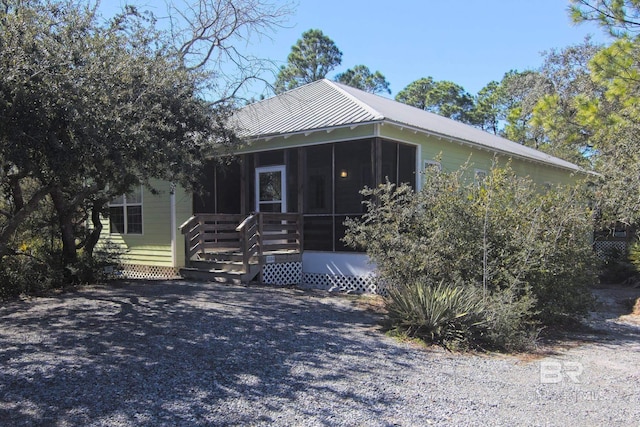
column 453, row 154
column 153, row 247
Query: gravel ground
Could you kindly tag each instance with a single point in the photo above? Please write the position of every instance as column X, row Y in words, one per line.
column 195, row 354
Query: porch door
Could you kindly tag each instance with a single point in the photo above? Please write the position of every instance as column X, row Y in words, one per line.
column 271, row 189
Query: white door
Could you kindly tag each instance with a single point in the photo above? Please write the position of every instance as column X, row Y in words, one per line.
column 271, row 189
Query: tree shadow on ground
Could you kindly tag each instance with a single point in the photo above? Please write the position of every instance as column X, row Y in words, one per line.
column 608, row 324
column 178, row 353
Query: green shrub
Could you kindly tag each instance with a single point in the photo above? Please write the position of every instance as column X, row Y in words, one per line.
column 619, row 265
column 634, row 255
column 40, row 269
column 510, row 321
column 27, row 274
column 525, row 249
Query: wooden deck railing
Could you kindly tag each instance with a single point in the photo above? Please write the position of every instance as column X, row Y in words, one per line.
column 256, row 235
column 249, row 239
column 210, row 233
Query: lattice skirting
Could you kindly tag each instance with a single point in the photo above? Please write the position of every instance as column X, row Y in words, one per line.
column 134, row 271
column 282, row 273
column 336, row 282
column 602, row 246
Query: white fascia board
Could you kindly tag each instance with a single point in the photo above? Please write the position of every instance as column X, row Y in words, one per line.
column 307, row 133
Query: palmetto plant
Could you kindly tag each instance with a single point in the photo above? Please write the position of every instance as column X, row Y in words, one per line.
column 445, row 314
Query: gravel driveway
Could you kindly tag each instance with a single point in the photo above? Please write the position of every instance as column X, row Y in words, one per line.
column 195, row 354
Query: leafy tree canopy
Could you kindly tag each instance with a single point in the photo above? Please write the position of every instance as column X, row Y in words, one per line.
column 521, row 90
column 89, row 109
column 362, row 78
column 618, row 17
column 610, row 115
column 488, row 110
column 557, row 114
column 539, row 108
column 612, row 121
column 311, row 58
column 445, row 98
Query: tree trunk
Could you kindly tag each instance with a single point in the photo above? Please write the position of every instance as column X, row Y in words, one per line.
column 65, row 222
column 93, row 238
column 16, row 193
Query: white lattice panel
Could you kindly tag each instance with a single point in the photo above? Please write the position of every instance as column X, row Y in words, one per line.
column 282, row 273
column 132, row 271
column 335, row 282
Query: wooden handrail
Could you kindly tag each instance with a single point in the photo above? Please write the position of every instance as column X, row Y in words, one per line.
column 203, row 232
column 247, row 239
column 257, row 234
column 186, row 223
column 244, row 223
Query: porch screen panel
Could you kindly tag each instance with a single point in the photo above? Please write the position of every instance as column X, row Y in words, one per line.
column 352, row 173
column 389, row 161
column 335, row 173
column 250, row 162
column 318, row 233
column 228, row 189
column 204, row 201
column 291, row 162
column 318, row 184
column 407, row 164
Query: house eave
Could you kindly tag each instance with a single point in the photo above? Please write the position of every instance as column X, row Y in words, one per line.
column 307, row 132
column 475, row 145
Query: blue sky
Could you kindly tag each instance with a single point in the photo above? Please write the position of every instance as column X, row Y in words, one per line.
column 469, row 42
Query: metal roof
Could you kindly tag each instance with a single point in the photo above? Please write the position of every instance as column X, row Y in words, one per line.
column 324, row 104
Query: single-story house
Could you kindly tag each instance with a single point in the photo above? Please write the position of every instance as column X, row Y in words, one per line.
column 275, row 211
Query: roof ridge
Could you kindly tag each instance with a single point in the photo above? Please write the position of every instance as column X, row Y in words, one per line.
column 355, row 99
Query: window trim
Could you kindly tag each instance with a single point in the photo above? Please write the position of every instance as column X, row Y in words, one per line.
column 283, row 186
column 124, row 205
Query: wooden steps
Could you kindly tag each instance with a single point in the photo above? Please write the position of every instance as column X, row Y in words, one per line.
column 220, row 271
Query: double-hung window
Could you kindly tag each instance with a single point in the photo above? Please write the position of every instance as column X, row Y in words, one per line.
column 125, row 213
